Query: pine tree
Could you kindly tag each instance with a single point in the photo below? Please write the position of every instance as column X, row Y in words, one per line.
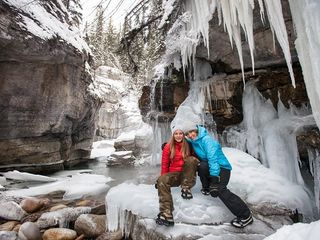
column 111, row 37
column 75, row 9
column 96, row 38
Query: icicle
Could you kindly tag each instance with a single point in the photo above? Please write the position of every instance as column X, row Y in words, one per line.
column 112, row 215
column 306, row 18
column 248, row 28
column 314, row 163
column 236, row 14
column 261, row 11
column 275, row 16
column 225, row 9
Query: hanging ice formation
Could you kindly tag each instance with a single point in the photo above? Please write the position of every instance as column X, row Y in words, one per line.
column 306, row 18
column 314, row 164
column 270, row 135
column 236, row 14
column 193, row 108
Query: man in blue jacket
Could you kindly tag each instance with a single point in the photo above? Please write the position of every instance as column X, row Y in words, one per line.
column 214, row 172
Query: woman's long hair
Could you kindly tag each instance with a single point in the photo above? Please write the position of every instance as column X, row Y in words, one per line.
column 185, row 149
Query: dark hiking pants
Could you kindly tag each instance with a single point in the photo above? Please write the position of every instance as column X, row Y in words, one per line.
column 234, row 203
column 186, row 178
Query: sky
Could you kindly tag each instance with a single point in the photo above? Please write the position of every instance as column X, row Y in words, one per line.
column 115, row 9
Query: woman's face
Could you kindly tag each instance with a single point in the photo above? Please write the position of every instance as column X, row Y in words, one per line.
column 178, row 136
column 192, row 134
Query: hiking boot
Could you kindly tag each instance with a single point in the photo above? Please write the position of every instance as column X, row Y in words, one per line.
column 164, row 219
column 205, row 191
column 242, row 222
column 186, row 193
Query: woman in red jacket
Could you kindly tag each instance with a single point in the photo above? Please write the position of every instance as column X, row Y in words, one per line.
column 178, row 167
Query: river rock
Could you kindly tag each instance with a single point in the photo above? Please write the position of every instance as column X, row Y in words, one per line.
column 29, row 231
column 61, row 217
column 8, row 226
column 59, row 234
column 11, row 211
column 31, row 204
column 57, row 207
column 90, row 225
column 120, row 158
column 8, row 235
column 117, row 235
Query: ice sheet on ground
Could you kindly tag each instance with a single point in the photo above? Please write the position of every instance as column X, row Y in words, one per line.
column 75, row 187
column 23, row 176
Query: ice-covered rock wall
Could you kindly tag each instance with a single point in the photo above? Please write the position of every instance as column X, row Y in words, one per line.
column 119, row 116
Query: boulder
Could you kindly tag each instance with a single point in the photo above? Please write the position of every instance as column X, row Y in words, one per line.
column 59, row 234
column 8, row 226
column 32, row 204
column 11, row 211
column 8, row 235
column 90, row 225
column 29, row 231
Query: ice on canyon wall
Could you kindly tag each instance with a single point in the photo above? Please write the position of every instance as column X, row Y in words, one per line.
column 270, row 135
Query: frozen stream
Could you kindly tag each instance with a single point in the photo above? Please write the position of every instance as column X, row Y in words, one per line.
column 131, row 174
column 91, row 179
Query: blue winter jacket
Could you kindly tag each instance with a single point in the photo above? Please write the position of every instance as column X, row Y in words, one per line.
column 208, row 149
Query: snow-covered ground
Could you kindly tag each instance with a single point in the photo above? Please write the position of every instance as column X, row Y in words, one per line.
column 298, row 231
column 259, row 186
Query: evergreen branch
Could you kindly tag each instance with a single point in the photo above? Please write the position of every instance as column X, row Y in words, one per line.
column 129, row 37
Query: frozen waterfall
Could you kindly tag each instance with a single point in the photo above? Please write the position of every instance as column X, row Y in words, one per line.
column 306, row 18
column 237, row 15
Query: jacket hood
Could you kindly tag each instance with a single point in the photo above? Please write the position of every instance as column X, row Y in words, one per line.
column 201, row 132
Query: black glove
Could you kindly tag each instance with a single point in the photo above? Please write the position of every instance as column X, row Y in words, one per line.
column 214, row 186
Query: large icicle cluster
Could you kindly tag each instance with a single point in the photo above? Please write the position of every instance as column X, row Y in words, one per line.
column 235, row 15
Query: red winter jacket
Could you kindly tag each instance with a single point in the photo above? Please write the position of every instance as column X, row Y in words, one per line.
column 171, row 165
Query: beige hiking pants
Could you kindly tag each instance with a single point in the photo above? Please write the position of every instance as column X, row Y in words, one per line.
column 186, row 178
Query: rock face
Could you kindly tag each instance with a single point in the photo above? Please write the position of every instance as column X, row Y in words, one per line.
column 47, row 116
